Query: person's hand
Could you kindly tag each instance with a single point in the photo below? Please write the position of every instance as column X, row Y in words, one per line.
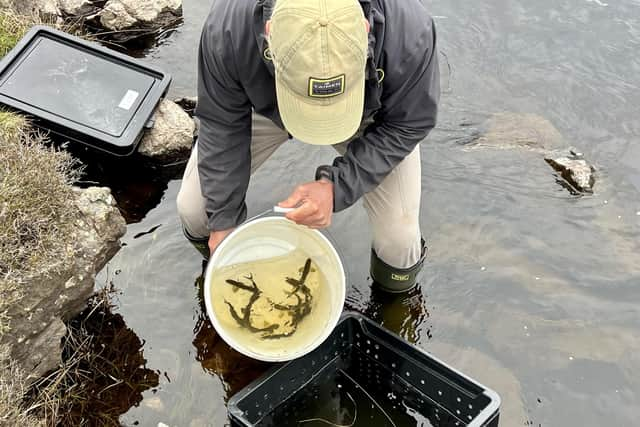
column 216, row 237
column 313, row 203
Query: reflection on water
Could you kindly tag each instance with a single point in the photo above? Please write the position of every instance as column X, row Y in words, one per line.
column 104, row 371
column 217, row 358
column 404, row 314
column 136, row 182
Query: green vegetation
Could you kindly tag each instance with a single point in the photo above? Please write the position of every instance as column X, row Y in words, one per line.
column 12, row 28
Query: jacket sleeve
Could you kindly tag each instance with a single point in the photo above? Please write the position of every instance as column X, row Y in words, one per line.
column 411, row 91
column 224, row 141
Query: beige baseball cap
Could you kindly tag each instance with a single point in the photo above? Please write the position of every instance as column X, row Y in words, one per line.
column 319, row 52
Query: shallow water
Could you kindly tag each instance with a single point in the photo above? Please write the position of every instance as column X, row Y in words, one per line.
column 529, row 289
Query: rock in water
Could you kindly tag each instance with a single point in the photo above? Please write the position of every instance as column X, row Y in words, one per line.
column 120, row 15
column 59, row 294
column 171, row 137
column 537, row 134
column 573, row 168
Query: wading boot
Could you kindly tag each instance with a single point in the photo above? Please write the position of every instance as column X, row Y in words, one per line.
column 200, row 243
column 395, row 280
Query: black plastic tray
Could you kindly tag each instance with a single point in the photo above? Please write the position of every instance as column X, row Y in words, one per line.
column 81, row 91
column 379, row 360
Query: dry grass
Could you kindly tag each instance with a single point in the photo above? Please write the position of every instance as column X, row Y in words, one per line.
column 14, row 26
column 34, row 190
column 35, row 225
column 35, row 218
column 12, row 391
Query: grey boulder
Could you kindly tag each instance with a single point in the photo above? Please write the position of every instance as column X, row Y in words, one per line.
column 120, row 15
column 57, row 295
column 171, row 137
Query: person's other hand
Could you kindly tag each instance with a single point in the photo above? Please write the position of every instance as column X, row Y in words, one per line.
column 216, row 237
column 313, row 203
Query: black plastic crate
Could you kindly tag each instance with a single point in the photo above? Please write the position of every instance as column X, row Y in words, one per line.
column 81, row 91
column 366, row 372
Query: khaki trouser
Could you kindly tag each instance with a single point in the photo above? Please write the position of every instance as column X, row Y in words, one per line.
column 393, row 207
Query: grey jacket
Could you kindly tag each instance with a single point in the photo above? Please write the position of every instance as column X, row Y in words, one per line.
column 235, row 77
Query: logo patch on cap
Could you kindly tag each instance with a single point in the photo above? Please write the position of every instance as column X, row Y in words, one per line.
column 325, row 88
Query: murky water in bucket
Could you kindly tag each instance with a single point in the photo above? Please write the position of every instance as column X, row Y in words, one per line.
column 274, row 305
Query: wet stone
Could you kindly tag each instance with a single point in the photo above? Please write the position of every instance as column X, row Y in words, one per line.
column 576, row 171
column 171, row 137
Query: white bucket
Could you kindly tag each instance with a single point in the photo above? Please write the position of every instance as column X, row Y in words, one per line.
column 271, row 237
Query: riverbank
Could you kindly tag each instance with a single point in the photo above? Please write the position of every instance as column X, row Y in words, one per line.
column 54, row 237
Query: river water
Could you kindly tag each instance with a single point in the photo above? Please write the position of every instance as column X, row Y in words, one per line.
column 529, row 289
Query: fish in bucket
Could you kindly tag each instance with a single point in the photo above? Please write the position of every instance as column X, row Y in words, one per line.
column 274, row 290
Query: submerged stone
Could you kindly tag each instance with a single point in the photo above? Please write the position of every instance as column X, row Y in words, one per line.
column 515, row 130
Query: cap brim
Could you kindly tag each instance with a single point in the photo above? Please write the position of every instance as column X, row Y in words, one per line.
column 321, row 124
